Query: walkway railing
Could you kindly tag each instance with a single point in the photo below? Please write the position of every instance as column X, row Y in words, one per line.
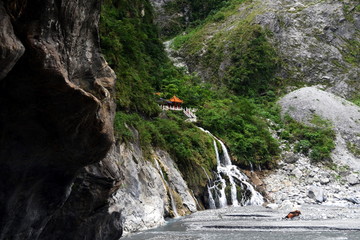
column 173, row 108
column 189, row 112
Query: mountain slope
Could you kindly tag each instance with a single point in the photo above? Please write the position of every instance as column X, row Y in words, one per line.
column 317, row 42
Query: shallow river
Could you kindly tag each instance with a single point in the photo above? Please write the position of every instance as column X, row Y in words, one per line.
column 316, row 223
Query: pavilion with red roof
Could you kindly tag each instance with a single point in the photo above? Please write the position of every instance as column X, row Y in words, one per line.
column 176, row 102
column 173, row 103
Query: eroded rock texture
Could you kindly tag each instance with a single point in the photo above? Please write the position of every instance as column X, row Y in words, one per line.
column 55, row 114
column 11, row 48
column 86, row 215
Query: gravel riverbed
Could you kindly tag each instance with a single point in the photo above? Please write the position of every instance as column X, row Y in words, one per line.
column 316, row 222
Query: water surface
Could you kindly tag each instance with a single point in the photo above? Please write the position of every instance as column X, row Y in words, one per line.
column 316, row 223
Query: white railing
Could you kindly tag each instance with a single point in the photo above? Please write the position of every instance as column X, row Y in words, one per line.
column 173, row 108
column 189, row 112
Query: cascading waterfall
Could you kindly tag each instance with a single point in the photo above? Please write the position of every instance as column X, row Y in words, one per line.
column 221, row 181
column 172, row 200
column 235, row 177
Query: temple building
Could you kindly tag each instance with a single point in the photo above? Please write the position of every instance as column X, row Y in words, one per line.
column 173, row 103
column 176, row 102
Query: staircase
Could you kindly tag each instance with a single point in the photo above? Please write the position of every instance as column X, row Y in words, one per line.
column 190, row 113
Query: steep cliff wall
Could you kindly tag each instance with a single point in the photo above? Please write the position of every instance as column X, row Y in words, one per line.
column 151, row 189
column 174, row 16
column 56, row 109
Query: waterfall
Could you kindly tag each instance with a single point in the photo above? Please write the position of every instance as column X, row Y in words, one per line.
column 212, row 204
column 173, row 204
column 235, row 178
column 172, row 200
column 221, row 190
column 251, row 167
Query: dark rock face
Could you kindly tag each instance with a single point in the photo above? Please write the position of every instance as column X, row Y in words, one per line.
column 11, row 48
column 56, row 114
column 85, row 215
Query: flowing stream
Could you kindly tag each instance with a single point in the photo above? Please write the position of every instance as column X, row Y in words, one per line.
column 229, row 176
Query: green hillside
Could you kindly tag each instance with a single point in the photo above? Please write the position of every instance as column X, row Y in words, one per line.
column 236, row 103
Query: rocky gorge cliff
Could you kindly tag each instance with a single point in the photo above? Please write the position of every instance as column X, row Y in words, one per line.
column 56, row 113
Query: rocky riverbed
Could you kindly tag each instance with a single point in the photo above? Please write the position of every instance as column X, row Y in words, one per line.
column 251, row 222
column 299, row 182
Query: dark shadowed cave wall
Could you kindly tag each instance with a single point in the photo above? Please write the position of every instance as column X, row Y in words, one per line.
column 56, row 114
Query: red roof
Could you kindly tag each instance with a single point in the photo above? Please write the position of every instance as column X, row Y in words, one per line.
column 175, row 99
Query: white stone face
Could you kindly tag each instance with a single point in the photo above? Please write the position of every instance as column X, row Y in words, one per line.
column 142, row 198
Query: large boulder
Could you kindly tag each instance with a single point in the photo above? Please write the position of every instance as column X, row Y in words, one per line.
column 353, row 179
column 317, row 193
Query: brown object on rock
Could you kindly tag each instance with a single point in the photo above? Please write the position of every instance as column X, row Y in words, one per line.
column 293, row 214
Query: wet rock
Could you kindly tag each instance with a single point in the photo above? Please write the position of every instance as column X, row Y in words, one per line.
column 143, row 192
column 177, row 181
column 254, row 178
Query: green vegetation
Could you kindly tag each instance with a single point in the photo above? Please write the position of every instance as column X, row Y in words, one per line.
column 132, row 48
column 190, row 147
column 350, row 9
column 237, row 104
column 192, row 13
column 187, row 87
column 242, row 59
column 315, row 141
column 351, row 52
column 356, row 100
column 131, row 45
column 254, row 62
column 353, row 148
column 237, row 121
